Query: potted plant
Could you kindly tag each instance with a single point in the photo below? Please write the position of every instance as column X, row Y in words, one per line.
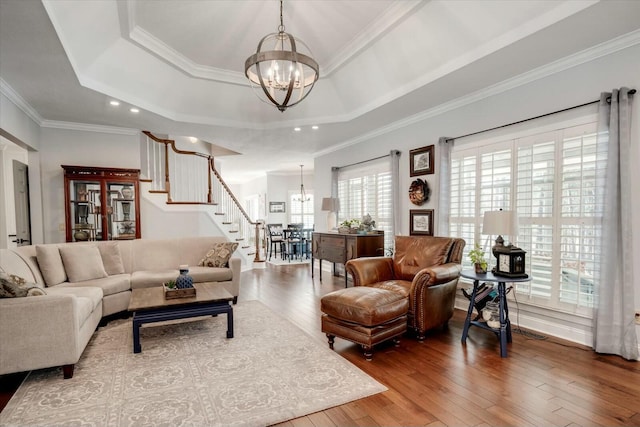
column 476, row 255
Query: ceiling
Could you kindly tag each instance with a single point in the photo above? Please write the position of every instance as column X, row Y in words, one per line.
column 181, row 63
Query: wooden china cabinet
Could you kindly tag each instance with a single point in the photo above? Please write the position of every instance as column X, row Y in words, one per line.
column 101, row 203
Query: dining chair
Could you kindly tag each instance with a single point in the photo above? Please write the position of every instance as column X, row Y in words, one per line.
column 294, row 241
column 276, row 239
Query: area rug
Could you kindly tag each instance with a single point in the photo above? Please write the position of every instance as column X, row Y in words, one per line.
column 190, row 374
column 295, row 261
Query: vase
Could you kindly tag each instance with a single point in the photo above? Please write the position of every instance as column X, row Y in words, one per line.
column 480, row 269
column 83, row 213
column 184, row 281
column 81, row 236
column 127, row 192
column 126, row 211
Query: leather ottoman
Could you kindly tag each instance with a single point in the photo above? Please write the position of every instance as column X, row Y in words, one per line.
column 365, row 316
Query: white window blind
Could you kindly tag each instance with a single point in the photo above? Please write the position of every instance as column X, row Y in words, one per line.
column 301, row 212
column 551, row 179
column 366, row 189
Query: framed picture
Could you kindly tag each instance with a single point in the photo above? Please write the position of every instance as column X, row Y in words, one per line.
column 421, row 222
column 277, row 207
column 421, row 161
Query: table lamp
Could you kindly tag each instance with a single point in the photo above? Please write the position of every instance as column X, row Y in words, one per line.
column 510, row 260
column 331, row 205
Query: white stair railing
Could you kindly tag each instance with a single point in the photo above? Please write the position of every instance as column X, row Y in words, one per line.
column 189, row 177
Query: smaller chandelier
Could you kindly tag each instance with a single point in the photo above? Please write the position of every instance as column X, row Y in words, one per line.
column 303, row 194
column 283, row 75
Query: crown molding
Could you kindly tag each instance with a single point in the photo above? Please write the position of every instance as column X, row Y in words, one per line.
column 19, row 101
column 615, row 45
column 396, row 12
column 53, row 124
column 172, row 57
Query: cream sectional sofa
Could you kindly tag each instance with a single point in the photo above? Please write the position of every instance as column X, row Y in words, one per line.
column 86, row 281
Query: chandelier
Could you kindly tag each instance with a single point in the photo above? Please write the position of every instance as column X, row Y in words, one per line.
column 303, row 195
column 282, row 75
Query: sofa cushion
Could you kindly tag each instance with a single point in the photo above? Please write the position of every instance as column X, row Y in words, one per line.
column 82, row 262
column 111, row 258
column 210, row 274
column 110, row 285
column 218, row 255
column 12, row 286
column 50, row 264
column 87, row 298
column 150, row 278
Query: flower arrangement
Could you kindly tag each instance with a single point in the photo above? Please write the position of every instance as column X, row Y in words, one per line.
column 477, row 257
column 349, row 226
column 367, row 224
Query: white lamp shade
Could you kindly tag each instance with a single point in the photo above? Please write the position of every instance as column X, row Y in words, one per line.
column 500, row 223
column 331, row 204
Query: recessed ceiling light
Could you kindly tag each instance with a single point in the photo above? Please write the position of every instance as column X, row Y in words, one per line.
column 297, row 129
column 134, row 110
column 193, row 139
column 114, row 103
column 314, row 127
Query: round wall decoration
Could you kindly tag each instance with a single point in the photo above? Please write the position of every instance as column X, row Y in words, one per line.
column 419, row 192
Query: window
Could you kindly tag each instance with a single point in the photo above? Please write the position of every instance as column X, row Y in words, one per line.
column 552, row 180
column 366, row 189
column 301, row 212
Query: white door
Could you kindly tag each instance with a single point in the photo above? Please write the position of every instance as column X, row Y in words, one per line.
column 21, row 197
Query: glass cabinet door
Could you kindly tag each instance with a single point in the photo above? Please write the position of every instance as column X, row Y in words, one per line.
column 84, row 206
column 122, row 200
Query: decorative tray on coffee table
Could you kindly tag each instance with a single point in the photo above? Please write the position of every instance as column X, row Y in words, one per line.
column 172, row 293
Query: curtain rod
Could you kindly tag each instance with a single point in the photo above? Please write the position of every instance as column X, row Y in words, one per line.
column 631, row 92
column 396, row 152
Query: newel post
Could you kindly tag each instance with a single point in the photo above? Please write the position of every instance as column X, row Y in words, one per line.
column 210, row 191
column 258, row 256
column 167, row 183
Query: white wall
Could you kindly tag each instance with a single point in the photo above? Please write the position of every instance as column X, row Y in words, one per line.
column 79, row 148
column 278, row 188
column 573, row 86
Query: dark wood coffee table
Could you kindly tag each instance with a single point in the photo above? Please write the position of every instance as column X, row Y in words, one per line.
column 149, row 305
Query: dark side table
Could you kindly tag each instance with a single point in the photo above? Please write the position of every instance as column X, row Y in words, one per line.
column 504, row 332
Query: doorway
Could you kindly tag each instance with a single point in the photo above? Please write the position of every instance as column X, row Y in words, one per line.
column 21, row 199
column 9, row 152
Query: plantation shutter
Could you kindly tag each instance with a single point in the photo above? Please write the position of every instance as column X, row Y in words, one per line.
column 366, row 189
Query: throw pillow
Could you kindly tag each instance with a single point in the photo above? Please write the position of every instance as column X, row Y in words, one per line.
column 50, row 264
column 12, row 286
column 111, row 258
column 219, row 254
column 82, row 262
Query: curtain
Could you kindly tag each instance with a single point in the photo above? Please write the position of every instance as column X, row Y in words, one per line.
column 614, row 328
column 445, row 145
column 395, row 193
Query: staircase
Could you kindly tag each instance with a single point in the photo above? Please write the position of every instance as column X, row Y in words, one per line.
column 186, row 183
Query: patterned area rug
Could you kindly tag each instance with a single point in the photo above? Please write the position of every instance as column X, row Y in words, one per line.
column 189, row 374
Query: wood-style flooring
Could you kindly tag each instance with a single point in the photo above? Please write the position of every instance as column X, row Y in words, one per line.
column 543, row 382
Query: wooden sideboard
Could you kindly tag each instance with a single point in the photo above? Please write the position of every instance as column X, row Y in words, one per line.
column 340, row 248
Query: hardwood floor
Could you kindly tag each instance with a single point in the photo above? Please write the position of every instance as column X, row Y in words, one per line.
column 442, row 382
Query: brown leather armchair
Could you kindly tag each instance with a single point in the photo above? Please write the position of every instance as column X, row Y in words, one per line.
column 423, row 268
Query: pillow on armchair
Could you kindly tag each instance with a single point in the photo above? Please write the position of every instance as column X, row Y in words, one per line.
column 219, row 255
